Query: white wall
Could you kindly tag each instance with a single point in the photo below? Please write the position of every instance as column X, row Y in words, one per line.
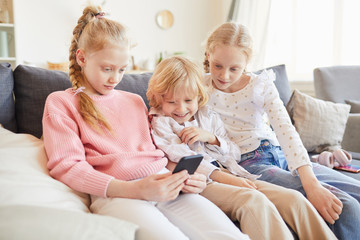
column 44, row 27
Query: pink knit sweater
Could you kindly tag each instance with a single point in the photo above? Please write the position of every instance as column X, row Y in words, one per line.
column 87, row 160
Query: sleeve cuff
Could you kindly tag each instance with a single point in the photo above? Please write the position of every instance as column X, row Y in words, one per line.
column 97, row 184
column 222, row 149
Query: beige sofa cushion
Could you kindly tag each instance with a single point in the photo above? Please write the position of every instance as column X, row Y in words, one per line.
column 320, row 124
column 44, row 223
column 33, row 205
column 25, row 179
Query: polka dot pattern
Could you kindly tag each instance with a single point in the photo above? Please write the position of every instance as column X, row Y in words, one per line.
column 256, row 112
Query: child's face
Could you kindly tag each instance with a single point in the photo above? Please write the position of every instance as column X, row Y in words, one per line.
column 103, row 69
column 181, row 107
column 227, row 64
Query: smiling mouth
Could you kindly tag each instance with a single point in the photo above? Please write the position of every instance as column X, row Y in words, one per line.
column 181, row 116
column 222, row 82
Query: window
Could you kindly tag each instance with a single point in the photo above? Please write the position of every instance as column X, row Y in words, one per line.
column 303, row 34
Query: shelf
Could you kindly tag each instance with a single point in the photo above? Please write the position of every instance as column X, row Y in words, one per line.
column 6, row 25
column 4, row 59
column 7, row 34
column 9, row 28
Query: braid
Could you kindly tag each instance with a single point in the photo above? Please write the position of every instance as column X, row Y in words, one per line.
column 76, row 77
column 206, row 64
column 88, row 110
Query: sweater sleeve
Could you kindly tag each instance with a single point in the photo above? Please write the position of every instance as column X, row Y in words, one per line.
column 66, row 153
column 290, row 142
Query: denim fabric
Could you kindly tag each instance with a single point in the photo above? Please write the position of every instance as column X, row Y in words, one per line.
column 269, row 161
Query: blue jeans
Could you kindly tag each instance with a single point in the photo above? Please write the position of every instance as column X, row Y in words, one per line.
column 269, row 161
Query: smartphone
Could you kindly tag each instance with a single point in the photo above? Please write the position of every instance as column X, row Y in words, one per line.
column 190, row 163
column 349, row 168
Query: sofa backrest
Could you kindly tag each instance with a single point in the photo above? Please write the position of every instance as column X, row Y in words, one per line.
column 32, row 85
column 337, row 83
column 7, row 105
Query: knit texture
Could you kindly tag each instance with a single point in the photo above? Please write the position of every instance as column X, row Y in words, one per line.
column 87, row 160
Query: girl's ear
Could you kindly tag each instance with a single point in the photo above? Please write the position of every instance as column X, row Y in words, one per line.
column 80, row 57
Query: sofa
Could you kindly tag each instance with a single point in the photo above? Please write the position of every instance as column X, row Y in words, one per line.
column 341, row 84
column 32, row 204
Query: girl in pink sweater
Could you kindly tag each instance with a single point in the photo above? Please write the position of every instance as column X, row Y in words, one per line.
column 98, row 142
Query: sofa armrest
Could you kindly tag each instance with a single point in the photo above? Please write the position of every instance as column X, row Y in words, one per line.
column 351, row 139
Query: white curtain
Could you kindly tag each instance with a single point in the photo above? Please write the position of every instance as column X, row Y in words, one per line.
column 254, row 14
column 303, row 34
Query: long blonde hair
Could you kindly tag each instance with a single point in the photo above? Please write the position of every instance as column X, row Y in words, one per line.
column 92, row 33
column 173, row 75
column 229, row 34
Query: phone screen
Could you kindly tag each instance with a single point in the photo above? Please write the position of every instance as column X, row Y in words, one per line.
column 349, row 168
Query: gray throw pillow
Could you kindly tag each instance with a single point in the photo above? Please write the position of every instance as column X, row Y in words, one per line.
column 7, row 106
column 32, row 86
column 320, row 124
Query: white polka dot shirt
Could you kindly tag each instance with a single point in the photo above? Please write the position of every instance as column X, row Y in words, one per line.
column 255, row 113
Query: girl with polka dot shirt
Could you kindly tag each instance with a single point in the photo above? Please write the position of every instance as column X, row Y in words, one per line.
column 257, row 121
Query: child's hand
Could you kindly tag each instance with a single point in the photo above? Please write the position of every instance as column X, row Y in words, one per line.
column 243, row 182
column 189, row 135
column 325, row 202
column 162, row 187
column 195, row 184
column 228, row 178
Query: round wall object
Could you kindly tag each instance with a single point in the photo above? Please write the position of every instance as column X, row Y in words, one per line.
column 165, row 19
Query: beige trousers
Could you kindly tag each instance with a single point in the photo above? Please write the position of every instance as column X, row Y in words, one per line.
column 262, row 212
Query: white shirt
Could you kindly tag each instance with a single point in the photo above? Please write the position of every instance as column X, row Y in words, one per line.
column 165, row 132
column 249, row 112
